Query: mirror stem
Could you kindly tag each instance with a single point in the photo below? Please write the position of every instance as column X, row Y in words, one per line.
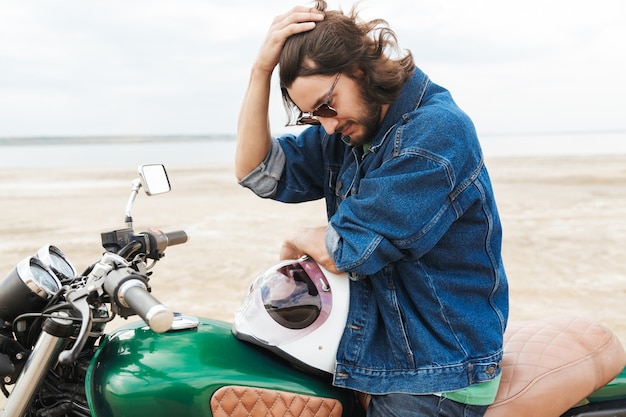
column 131, row 200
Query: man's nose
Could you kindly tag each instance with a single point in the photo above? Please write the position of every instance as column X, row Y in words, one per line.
column 329, row 124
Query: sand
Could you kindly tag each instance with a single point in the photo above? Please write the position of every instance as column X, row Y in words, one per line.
column 563, row 218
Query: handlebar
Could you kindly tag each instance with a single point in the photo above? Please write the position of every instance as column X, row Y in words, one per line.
column 159, row 241
column 129, row 289
column 152, row 242
column 177, row 237
column 134, row 294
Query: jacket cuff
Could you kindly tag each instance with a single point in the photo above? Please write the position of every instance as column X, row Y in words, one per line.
column 263, row 180
column 331, row 240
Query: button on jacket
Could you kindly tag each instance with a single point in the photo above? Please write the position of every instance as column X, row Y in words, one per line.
column 414, row 222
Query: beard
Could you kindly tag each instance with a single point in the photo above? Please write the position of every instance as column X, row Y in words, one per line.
column 370, row 121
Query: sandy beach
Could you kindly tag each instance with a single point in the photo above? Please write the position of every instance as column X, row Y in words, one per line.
column 563, row 217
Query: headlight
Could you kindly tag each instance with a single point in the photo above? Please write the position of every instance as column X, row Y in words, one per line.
column 26, row 289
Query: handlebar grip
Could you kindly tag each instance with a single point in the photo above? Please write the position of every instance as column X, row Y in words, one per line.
column 177, row 237
column 134, row 293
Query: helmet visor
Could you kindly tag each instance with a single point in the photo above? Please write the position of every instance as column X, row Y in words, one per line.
column 290, row 297
column 286, row 302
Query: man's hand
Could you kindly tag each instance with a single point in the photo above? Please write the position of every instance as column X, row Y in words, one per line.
column 309, row 241
column 297, row 20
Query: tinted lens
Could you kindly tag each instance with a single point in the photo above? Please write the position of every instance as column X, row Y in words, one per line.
column 307, row 120
column 324, row 110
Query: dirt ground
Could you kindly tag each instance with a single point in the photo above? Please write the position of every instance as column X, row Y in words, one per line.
column 563, row 217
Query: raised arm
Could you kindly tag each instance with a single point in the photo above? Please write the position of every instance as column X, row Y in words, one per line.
column 253, row 130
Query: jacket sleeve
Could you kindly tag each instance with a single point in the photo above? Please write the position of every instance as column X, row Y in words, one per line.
column 263, row 180
column 295, row 169
column 402, row 208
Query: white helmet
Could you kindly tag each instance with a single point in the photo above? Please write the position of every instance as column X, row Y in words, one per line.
column 298, row 310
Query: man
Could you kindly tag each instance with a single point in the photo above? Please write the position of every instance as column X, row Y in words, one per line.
column 411, row 212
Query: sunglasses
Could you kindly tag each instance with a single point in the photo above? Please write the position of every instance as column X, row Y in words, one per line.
column 323, row 110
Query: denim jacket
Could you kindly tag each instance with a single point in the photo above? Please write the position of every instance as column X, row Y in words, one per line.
column 415, row 224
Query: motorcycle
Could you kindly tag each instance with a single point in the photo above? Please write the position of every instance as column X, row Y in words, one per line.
column 57, row 359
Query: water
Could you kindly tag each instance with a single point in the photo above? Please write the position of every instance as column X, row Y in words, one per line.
column 201, row 150
column 50, row 152
column 555, row 144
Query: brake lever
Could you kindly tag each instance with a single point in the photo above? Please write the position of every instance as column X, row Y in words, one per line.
column 78, row 300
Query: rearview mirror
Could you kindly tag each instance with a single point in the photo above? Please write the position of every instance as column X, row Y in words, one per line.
column 154, row 179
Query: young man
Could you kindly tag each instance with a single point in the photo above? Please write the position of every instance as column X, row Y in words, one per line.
column 411, row 212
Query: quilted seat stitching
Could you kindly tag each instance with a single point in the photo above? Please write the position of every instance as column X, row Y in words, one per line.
column 537, row 377
column 266, row 400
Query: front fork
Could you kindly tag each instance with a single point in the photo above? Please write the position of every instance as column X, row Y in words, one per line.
column 50, row 343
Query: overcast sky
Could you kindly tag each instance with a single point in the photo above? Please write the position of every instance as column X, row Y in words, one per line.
column 80, row 67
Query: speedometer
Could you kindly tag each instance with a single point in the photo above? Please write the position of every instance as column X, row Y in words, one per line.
column 37, row 277
column 26, row 289
column 56, row 260
column 43, row 279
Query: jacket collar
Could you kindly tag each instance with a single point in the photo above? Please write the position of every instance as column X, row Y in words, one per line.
column 410, row 98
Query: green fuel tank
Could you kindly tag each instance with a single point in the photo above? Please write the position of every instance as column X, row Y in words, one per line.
column 136, row 372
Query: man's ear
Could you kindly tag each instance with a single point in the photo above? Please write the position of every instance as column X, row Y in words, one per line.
column 356, row 72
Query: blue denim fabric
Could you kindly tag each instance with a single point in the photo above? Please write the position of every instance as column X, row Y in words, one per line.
column 403, row 405
column 415, row 223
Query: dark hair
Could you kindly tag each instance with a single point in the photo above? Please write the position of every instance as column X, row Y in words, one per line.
column 343, row 43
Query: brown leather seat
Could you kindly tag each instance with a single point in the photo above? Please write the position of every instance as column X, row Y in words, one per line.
column 550, row 365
